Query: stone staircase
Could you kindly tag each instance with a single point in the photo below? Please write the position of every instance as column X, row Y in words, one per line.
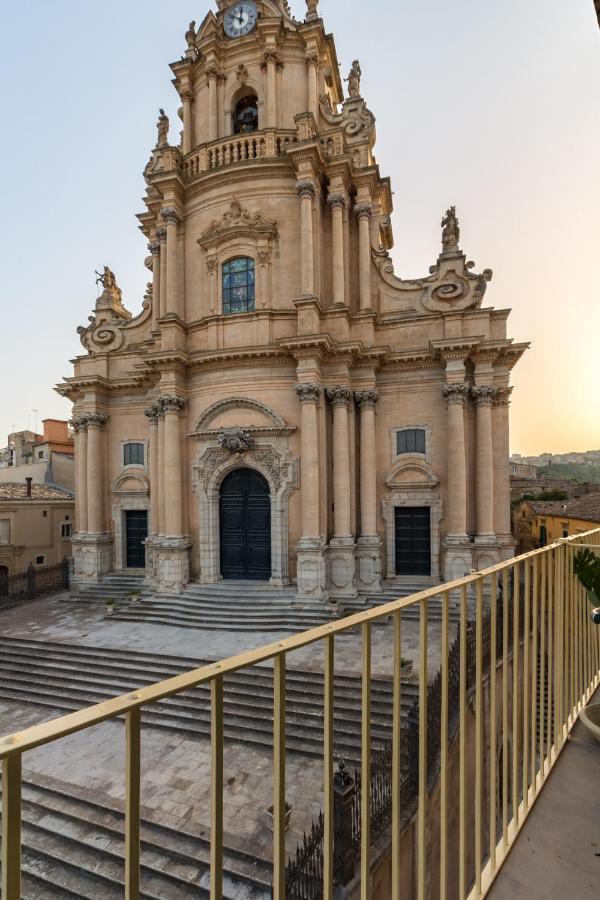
column 66, row 677
column 404, row 587
column 225, row 606
column 74, row 848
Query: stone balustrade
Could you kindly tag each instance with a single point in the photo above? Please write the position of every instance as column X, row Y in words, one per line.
column 237, row 148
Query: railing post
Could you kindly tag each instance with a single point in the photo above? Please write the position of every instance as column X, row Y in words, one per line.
column 30, row 581
column 343, row 853
column 11, row 827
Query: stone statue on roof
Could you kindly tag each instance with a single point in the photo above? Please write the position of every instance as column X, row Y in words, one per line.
column 190, row 35
column 107, row 279
column 313, row 12
column 163, row 129
column 353, row 79
column 450, row 231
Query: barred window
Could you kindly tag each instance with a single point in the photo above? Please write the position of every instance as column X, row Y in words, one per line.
column 133, row 454
column 4, row 531
column 65, row 531
column 410, row 440
column 238, row 285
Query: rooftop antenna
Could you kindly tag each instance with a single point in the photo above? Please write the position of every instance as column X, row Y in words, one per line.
column 35, row 420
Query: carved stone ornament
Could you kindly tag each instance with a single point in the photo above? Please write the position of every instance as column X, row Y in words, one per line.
column 357, row 121
column 336, row 201
column 241, row 74
column 339, row 395
column 456, row 393
column 171, row 216
column 172, row 403
column 154, row 248
column 484, row 395
column 366, row 399
column 364, row 211
column 305, row 189
column 162, row 127
column 237, row 221
column 450, row 231
column 154, row 412
column 309, row 392
column 212, row 265
column 502, row 398
column 190, row 36
column 236, row 440
column 263, row 257
column 161, row 235
column 353, row 80
column 312, row 10
column 95, row 420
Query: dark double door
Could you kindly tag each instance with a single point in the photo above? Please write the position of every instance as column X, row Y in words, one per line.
column 413, row 540
column 136, row 532
column 245, row 526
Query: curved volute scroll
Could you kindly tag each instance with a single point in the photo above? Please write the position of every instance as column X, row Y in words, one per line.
column 450, row 285
column 111, row 320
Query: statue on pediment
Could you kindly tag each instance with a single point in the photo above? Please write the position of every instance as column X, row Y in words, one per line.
column 353, row 79
column 450, row 231
column 163, row 129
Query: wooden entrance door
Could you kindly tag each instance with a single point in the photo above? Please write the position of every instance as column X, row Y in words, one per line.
column 245, row 526
column 136, row 531
column 413, row 540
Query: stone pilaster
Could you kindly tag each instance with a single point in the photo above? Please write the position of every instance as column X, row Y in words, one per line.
column 341, row 546
column 269, row 64
column 79, row 425
column 188, row 121
column 501, row 441
column 154, row 248
column 312, row 575
column 172, row 218
column 312, row 65
column 337, row 204
column 484, row 396
column 458, row 550
column 368, row 553
column 212, row 76
column 306, row 192
column 92, row 549
column 171, row 546
column 364, row 214
column 161, row 236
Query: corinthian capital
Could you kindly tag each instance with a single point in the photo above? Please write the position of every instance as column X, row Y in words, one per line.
column 95, row 420
column 154, row 248
column 170, row 215
column 456, row 393
column 154, row 412
column 339, row 395
column 172, row 403
column 366, row 399
column 363, row 211
column 161, row 235
column 308, row 392
column 337, row 201
column 502, row 398
column 305, row 189
column 78, row 423
column 484, row 395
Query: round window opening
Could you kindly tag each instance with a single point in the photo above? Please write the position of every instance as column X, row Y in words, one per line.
column 245, row 116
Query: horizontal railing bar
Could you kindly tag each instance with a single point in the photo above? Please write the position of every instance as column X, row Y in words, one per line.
column 44, row 733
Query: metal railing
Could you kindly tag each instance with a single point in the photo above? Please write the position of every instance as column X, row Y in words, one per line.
column 33, row 582
column 542, row 655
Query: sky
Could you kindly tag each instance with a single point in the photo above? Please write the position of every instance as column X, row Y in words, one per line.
column 491, row 105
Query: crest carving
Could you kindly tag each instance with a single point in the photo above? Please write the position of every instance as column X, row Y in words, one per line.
column 236, row 440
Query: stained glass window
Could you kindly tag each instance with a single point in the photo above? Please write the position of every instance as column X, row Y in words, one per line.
column 238, row 285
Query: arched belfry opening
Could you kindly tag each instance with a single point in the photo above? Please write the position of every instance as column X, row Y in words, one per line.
column 245, row 526
column 245, row 114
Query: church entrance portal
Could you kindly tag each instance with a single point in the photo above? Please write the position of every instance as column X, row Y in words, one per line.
column 413, row 540
column 136, row 531
column 245, row 526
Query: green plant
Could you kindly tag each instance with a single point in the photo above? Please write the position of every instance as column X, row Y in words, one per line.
column 586, row 566
column 110, row 602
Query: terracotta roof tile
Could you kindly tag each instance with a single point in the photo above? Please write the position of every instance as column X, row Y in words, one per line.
column 587, row 507
column 9, row 492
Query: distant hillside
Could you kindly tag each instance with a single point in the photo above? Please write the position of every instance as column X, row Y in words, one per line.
column 572, row 471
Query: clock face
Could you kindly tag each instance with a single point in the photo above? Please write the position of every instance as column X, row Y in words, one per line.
column 240, row 19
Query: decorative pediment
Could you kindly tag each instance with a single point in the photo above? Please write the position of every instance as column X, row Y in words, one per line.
column 130, row 483
column 356, row 120
column 239, row 411
column 412, row 474
column 110, row 320
column 237, row 222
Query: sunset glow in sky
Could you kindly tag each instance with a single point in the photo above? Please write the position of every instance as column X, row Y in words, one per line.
column 492, row 106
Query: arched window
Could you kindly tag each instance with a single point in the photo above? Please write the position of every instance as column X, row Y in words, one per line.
column 245, row 115
column 238, row 285
column 133, row 454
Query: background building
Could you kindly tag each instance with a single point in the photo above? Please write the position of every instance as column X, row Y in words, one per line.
column 47, row 458
column 36, row 525
column 541, row 522
column 286, row 408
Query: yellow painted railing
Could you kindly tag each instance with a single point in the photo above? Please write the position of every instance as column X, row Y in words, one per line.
column 542, row 659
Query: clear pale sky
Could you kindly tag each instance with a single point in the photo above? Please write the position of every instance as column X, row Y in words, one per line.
column 492, row 105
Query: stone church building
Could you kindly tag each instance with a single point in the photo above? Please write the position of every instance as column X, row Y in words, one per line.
column 286, row 408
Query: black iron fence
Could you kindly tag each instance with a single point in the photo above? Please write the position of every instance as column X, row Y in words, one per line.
column 33, row 582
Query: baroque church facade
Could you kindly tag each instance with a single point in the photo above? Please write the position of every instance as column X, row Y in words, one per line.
column 286, row 408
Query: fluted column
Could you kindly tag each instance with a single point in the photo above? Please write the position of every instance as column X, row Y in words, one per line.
column 153, row 414
column 154, row 248
column 455, row 395
column 188, row 121
column 172, row 218
column 306, row 192
column 308, row 395
column 270, row 60
column 95, row 472
column 161, row 303
column 366, row 401
column 337, row 204
column 80, row 428
column 364, row 214
column 501, row 439
column 484, row 396
column 312, row 65
column 340, row 397
column 160, row 481
column 172, row 406
column 212, row 74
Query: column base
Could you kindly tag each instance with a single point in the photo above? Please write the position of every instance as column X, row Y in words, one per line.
column 458, row 556
column 312, row 569
column 171, row 562
column 92, row 556
column 368, row 564
column 507, row 546
column 342, row 569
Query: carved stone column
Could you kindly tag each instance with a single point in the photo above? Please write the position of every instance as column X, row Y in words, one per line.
column 188, row 122
column 312, row 578
column 160, row 435
column 364, row 214
column 95, row 473
column 212, row 271
column 501, row 441
column 171, row 546
column 306, row 192
column 270, row 60
column 161, row 236
column 484, row 397
column 337, row 204
column 456, row 518
column 172, row 218
column 152, row 415
column 341, row 547
column 80, row 428
column 369, row 544
column 212, row 74
column 154, row 248
column 312, row 100
column 92, row 551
